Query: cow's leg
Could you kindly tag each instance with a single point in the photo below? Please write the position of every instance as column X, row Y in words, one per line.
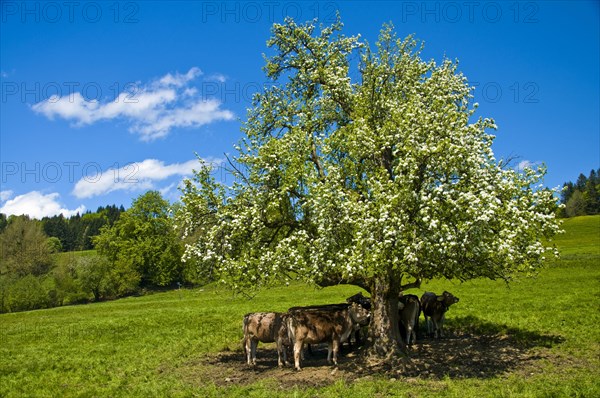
column 357, row 337
column 336, row 348
column 280, row 353
column 297, row 352
column 416, row 327
column 441, row 326
column 285, row 356
column 247, row 345
column 414, row 334
column 428, row 328
column 409, row 332
column 329, row 350
column 253, row 349
column 436, row 327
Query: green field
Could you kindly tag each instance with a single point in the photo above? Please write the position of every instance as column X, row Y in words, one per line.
column 68, row 257
column 537, row 337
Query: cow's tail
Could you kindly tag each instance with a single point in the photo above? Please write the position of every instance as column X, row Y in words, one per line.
column 244, row 331
column 290, row 329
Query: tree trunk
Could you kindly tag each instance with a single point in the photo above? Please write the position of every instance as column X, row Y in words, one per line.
column 384, row 342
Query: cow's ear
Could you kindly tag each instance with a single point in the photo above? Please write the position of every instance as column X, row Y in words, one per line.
column 440, row 298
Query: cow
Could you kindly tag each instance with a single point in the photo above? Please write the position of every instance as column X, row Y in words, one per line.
column 266, row 327
column 364, row 302
column 435, row 307
column 409, row 309
column 358, row 298
column 328, row 307
column 319, row 307
column 331, row 326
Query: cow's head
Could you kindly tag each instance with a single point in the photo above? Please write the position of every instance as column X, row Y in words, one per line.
column 447, row 299
column 359, row 314
column 358, row 298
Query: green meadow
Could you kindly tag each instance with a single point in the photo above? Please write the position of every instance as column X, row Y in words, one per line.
column 538, row 337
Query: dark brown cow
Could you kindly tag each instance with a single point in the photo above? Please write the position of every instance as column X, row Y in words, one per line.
column 435, row 307
column 331, row 326
column 409, row 309
column 319, row 307
column 358, row 298
column 266, row 327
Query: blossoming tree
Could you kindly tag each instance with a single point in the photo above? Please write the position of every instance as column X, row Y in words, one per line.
column 365, row 165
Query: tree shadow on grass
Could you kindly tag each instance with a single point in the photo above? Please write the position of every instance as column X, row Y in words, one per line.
column 474, row 348
column 471, row 348
column 525, row 338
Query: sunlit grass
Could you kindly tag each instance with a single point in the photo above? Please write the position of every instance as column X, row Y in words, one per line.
column 66, row 258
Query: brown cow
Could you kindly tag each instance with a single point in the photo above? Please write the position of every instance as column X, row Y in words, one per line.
column 364, row 302
column 360, row 299
column 409, row 309
column 266, row 327
column 435, row 307
column 331, row 326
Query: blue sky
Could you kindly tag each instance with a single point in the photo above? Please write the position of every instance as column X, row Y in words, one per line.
column 101, row 101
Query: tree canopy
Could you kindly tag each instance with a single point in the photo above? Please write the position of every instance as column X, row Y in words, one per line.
column 24, row 248
column 374, row 173
column 143, row 245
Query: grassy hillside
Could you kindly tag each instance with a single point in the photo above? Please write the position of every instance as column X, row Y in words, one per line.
column 68, row 257
column 540, row 334
column 582, row 236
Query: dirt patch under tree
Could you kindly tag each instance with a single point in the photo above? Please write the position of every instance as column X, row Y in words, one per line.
column 461, row 354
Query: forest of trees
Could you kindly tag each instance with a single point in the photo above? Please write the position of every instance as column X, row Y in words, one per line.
column 136, row 250
column 74, row 233
column 582, row 197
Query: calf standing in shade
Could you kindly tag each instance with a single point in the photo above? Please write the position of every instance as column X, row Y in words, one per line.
column 409, row 309
column 435, row 308
column 266, row 327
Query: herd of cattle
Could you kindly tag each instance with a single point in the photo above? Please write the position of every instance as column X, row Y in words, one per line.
column 334, row 323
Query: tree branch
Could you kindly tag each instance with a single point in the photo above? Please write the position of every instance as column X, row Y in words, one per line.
column 330, row 281
column 413, row 285
column 236, row 169
column 315, row 159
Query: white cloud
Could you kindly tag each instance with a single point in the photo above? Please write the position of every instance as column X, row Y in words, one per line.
column 197, row 114
column 37, row 205
column 5, row 195
column 137, row 176
column 152, row 110
column 178, row 79
column 217, row 77
column 526, row 164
